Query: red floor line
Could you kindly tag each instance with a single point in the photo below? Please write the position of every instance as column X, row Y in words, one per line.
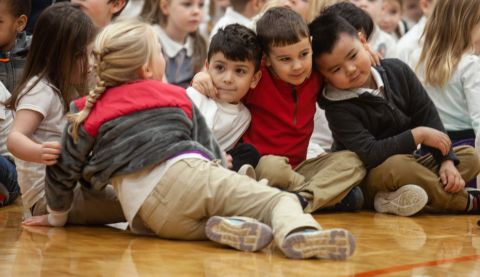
column 412, row 266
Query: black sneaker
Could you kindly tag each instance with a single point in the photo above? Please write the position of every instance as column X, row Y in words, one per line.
column 353, row 201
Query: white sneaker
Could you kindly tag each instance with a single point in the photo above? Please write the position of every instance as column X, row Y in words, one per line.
column 405, row 201
column 246, row 234
column 334, row 244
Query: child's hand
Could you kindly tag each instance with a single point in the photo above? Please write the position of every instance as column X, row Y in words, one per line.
column 451, row 178
column 374, row 56
column 204, row 84
column 228, row 160
column 41, row 220
column 50, row 151
column 433, row 138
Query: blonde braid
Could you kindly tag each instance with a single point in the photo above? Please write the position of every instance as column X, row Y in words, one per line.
column 100, row 87
column 120, row 50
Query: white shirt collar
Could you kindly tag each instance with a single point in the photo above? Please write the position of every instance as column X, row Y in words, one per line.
column 171, row 47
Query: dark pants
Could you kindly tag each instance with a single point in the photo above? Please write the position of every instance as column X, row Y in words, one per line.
column 8, row 181
column 244, row 154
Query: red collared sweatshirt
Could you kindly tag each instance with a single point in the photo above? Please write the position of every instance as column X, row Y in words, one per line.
column 282, row 116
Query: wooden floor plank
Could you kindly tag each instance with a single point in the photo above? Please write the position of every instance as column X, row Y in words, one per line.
column 424, row 245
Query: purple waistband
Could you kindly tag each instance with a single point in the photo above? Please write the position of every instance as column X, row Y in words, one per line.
column 192, row 152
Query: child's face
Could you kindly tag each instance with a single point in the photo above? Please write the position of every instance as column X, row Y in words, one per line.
column 9, row 27
column 391, row 16
column 372, row 7
column 476, row 39
column 184, row 16
column 302, row 7
column 232, row 79
column 291, row 63
column 82, row 68
column 411, row 10
column 100, row 11
column 348, row 65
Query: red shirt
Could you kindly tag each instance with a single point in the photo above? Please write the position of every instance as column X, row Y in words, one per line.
column 282, row 116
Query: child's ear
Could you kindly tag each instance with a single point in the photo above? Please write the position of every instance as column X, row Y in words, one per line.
column 21, row 23
column 117, row 6
column 206, row 64
column 362, row 37
column 145, row 72
column 256, row 78
column 164, row 6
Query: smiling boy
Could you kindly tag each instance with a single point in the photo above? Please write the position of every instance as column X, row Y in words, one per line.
column 233, row 62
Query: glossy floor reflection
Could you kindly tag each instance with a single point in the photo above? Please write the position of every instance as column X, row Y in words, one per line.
column 425, row 245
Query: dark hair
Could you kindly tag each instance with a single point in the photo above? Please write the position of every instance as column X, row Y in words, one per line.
column 357, row 17
column 60, row 38
column 120, row 11
column 280, row 26
column 236, row 43
column 18, row 7
column 326, row 30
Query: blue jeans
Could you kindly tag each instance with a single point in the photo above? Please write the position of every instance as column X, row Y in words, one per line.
column 8, row 181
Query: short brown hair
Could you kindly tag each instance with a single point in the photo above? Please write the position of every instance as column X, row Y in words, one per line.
column 281, row 26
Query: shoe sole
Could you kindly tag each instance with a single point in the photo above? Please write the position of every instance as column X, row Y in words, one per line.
column 405, row 201
column 334, row 244
column 247, row 236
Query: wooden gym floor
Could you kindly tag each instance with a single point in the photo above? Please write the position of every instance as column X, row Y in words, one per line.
column 424, row 245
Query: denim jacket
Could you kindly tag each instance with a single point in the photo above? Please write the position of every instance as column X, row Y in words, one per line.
column 12, row 62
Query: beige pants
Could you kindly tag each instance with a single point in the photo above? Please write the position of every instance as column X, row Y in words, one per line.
column 193, row 190
column 323, row 181
column 89, row 207
column 400, row 170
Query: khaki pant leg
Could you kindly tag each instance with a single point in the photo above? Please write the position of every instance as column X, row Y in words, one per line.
column 89, row 207
column 94, row 207
column 400, row 170
column 278, row 172
column 194, row 190
column 329, row 178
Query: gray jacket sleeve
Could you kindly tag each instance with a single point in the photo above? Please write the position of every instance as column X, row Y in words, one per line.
column 203, row 135
column 62, row 177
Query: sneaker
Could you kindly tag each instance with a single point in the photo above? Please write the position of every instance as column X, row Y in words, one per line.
column 474, row 206
column 405, row 201
column 247, row 170
column 335, row 244
column 244, row 234
column 353, row 201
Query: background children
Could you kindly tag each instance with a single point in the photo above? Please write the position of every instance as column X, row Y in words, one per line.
column 176, row 24
column 382, row 114
column 56, row 69
column 9, row 189
column 101, row 11
column 380, row 41
column 391, row 19
column 410, row 42
column 450, row 71
column 241, row 12
column 308, row 10
column 233, row 62
column 282, row 107
column 13, row 40
column 168, row 185
column 411, row 12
